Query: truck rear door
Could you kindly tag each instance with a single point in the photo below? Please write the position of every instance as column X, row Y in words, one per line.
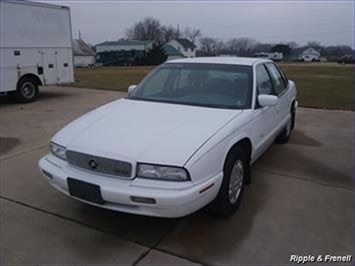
column 65, row 65
column 49, row 63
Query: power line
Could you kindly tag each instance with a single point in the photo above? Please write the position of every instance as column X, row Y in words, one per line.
column 246, row 25
column 305, row 34
column 292, row 35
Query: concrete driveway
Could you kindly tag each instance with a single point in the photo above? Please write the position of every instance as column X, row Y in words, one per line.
column 301, row 201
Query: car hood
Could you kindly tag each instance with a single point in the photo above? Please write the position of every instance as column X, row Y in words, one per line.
column 142, row 131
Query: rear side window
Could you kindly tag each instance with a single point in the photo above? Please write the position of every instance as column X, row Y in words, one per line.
column 263, row 80
column 277, row 79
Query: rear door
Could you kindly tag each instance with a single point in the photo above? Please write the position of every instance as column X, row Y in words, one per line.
column 280, row 84
column 50, row 69
column 64, row 66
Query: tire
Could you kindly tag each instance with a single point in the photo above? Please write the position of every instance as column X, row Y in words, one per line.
column 235, row 171
column 27, row 90
column 285, row 135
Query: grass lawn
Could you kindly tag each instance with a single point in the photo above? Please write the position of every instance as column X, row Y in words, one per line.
column 329, row 85
column 110, row 78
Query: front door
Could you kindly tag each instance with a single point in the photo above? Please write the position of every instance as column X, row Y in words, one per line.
column 266, row 117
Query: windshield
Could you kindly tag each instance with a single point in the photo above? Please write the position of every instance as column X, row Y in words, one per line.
column 210, row 85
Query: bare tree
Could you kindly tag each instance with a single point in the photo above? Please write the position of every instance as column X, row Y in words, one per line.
column 293, row 45
column 210, row 46
column 192, row 34
column 150, row 28
column 262, row 48
column 147, row 29
column 314, row 44
column 169, row 33
column 241, row 46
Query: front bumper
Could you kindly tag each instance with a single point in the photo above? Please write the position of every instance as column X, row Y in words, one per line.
column 172, row 199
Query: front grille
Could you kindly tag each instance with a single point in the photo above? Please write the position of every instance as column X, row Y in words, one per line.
column 99, row 164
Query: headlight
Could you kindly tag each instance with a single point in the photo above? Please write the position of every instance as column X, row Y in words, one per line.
column 162, row 172
column 58, row 151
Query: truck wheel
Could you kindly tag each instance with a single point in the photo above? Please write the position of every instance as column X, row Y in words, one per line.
column 230, row 193
column 27, row 90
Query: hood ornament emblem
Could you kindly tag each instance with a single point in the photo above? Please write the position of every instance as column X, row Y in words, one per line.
column 93, row 164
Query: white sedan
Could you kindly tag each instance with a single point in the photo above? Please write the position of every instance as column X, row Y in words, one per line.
column 184, row 138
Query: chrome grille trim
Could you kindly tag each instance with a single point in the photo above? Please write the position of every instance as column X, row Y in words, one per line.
column 104, row 165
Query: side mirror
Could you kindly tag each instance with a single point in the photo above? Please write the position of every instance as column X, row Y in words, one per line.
column 131, row 88
column 268, row 100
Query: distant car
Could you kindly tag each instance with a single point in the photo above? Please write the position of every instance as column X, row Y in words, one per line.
column 184, row 138
column 347, row 59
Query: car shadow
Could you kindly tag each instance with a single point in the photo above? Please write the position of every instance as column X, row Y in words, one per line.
column 189, row 231
column 300, row 138
column 42, row 96
column 140, row 229
column 300, row 164
column 8, row 143
column 203, row 235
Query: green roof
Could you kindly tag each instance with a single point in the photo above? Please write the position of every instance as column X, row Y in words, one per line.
column 171, row 50
column 124, row 42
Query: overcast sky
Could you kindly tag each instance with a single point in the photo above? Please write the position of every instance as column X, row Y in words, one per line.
column 328, row 22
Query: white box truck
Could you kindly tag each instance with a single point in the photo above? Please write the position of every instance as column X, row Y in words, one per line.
column 36, row 47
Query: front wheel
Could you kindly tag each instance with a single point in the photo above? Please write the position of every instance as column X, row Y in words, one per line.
column 230, row 194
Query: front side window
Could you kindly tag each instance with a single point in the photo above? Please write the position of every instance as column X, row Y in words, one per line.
column 263, row 81
column 277, row 79
column 209, row 85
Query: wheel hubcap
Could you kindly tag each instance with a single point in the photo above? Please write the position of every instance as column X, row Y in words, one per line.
column 236, row 181
column 28, row 90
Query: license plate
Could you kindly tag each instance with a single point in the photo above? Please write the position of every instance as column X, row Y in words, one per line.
column 84, row 190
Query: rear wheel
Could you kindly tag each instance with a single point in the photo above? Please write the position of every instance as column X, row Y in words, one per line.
column 235, row 172
column 27, row 90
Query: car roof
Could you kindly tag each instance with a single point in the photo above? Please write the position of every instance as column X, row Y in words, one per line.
column 231, row 60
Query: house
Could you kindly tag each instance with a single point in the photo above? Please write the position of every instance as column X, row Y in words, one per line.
column 172, row 52
column 83, row 55
column 184, row 46
column 310, row 55
column 124, row 45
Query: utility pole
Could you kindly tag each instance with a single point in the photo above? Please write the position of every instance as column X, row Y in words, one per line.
column 80, row 35
column 178, row 31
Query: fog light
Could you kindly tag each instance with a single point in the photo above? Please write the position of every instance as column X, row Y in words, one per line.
column 47, row 174
column 143, row 200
